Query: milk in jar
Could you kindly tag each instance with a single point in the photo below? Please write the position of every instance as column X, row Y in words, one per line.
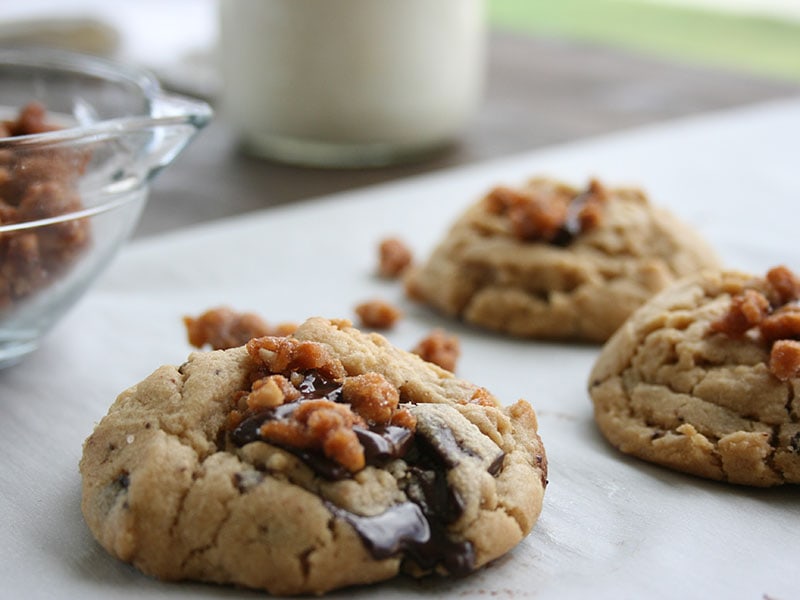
column 350, row 82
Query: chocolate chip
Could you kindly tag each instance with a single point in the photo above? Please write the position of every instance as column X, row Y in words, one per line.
column 571, row 227
column 384, row 443
column 391, row 532
column 404, row 529
column 322, row 466
column 314, row 385
column 455, row 439
column 429, row 488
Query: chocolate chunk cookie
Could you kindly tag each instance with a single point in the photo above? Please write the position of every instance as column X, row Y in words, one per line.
column 551, row 261
column 309, row 462
column 705, row 378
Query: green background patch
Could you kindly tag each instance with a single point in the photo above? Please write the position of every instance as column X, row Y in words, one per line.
column 768, row 46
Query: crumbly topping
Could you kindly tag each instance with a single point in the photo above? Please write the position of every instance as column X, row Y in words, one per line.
column 320, row 406
column 371, row 396
column 554, row 215
column 784, row 285
column 440, row 348
column 320, row 425
column 747, row 310
column 784, row 359
column 222, row 327
column 773, row 316
column 32, row 118
column 287, row 355
column 782, row 324
column 269, row 392
column 35, row 184
column 378, row 314
column 394, row 258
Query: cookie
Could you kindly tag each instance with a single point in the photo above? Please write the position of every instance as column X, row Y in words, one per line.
column 553, row 262
column 705, row 378
column 305, row 463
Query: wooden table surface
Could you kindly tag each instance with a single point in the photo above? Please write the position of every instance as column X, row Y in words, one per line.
column 540, row 92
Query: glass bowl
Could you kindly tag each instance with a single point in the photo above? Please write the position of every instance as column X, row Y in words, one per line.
column 80, row 140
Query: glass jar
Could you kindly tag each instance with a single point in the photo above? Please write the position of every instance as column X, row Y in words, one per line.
column 350, row 82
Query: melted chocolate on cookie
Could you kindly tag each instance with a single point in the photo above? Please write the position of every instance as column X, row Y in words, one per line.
column 381, row 443
column 417, row 527
column 575, row 221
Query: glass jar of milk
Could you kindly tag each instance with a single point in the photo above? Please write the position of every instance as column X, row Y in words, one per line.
column 350, row 82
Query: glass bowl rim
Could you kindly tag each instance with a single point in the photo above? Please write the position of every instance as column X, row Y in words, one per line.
column 84, row 213
column 197, row 112
column 166, row 110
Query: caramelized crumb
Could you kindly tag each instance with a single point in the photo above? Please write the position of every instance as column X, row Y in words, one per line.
column 271, row 391
column 394, row 258
column 222, row 328
column 378, row 314
column 440, row 348
column 286, row 354
column 784, row 284
column 372, row 396
column 289, row 432
column 321, row 425
column 554, row 215
column 746, row 311
column 532, row 216
column 342, row 446
column 774, row 316
column 234, row 418
column 32, row 119
column 301, row 397
column 782, row 324
column 404, row 418
column 784, row 359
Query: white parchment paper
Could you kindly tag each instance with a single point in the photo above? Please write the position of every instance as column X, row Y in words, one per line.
column 611, row 527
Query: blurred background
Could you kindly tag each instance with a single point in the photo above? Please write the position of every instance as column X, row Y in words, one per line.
column 556, row 72
column 759, row 36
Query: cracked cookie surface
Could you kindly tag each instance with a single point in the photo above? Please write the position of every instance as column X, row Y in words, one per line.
column 679, row 385
column 212, row 471
column 550, row 261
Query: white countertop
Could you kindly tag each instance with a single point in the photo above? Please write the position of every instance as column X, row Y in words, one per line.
column 611, row 527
